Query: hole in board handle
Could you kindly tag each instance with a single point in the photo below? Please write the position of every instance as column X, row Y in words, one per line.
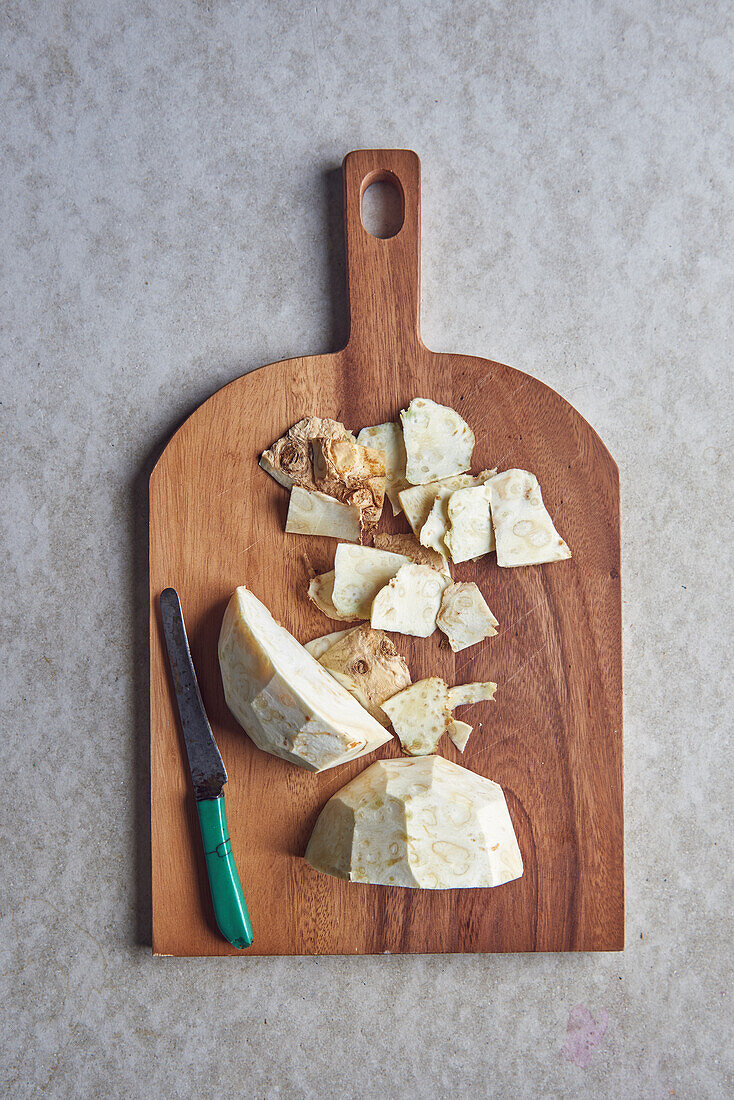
column 383, row 210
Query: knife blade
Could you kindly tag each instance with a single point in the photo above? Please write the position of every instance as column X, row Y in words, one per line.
column 208, row 776
column 205, row 760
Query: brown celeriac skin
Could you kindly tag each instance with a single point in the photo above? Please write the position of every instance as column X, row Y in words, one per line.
column 352, row 474
column 289, row 458
column 369, row 666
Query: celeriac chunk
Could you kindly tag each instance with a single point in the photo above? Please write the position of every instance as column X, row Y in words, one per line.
column 388, row 438
column 418, row 500
column 409, row 545
column 438, row 442
column 289, row 458
column 464, row 616
column 359, row 574
column 470, row 533
column 420, row 715
column 425, row 823
column 314, row 513
column 524, row 532
column 459, row 732
column 463, row 694
column 367, row 664
column 286, row 701
column 409, row 603
column 352, row 474
column 320, row 591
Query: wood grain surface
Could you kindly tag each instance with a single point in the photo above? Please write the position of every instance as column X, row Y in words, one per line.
column 552, row 738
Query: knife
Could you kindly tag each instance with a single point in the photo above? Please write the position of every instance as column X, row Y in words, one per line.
column 209, row 776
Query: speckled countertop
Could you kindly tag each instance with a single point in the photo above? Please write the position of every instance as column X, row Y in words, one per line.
column 171, row 219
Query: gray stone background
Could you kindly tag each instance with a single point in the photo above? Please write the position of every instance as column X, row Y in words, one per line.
column 170, row 219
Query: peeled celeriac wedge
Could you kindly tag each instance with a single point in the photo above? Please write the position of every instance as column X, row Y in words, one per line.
column 359, row 574
column 367, row 664
column 523, row 530
column 318, row 646
column 438, row 442
column 289, row 458
column 425, row 823
column 409, row 603
column 418, row 500
column 463, row 694
column 464, row 616
column 352, row 474
column 470, row 533
column 388, row 438
column 314, row 513
column 285, row 700
column 408, row 544
column 320, row 591
column 420, row 715
column 459, row 732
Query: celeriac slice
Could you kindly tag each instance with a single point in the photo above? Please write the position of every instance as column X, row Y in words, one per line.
column 359, row 574
column 463, row 694
column 287, row 703
column 434, row 529
column 318, row 646
column 320, row 590
column 313, row 513
column 469, row 533
column 388, row 438
column 419, row 715
column 464, row 616
column 404, row 543
column 367, row 664
column 459, row 732
column 425, row 823
column 523, row 530
column 418, row 500
column 409, row 603
column 438, row 442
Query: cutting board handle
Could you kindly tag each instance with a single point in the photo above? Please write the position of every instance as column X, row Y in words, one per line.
column 383, row 275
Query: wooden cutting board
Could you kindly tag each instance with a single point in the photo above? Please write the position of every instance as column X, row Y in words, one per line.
column 552, row 738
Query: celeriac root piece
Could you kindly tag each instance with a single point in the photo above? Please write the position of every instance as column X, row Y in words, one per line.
column 360, row 572
column 420, row 715
column 318, row 646
column 438, row 442
column 409, row 545
column 463, row 694
column 470, row 533
column 320, row 590
column 314, row 513
column 426, row 823
column 523, row 530
column 459, row 732
column 409, row 603
column 464, row 616
column 388, row 438
column 367, row 664
column 285, row 700
column 418, row 500
column 351, row 474
column 289, row 458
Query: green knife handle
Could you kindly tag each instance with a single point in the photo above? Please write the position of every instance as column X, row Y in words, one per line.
column 229, row 901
